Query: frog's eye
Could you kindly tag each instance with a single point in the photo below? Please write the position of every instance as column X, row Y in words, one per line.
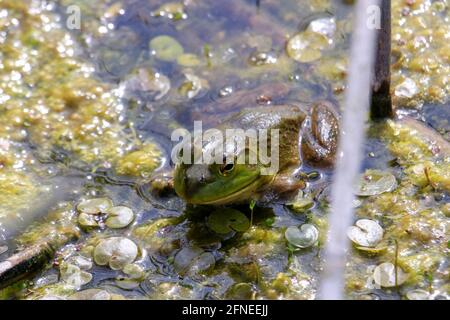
column 226, row 168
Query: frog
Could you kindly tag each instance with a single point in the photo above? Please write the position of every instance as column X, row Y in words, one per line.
column 307, row 134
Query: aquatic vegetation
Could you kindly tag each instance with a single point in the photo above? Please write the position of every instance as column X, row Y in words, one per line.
column 116, row 252
column 374, row 182
column 119, row 217
column 366, row 233
column 302, row 237
column 388, row 275
column 228, row 220
column 166, row 48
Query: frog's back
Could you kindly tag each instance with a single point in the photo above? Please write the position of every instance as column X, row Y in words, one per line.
column 283, row 117
column 287, row 119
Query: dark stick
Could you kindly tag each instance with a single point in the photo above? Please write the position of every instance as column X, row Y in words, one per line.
column 381, row 104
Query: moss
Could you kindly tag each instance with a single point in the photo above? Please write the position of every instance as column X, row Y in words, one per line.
column 16, row 192
column 140, row 163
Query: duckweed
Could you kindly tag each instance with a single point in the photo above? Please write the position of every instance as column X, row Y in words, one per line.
column 302, row 237
column 119, row 217
column 366, row 233
column 227, row 220
column 116, row 252
column 387, row 275
column 374, row 182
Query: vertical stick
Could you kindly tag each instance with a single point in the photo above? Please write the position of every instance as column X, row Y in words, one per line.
column 357, row 100
column 381, row 104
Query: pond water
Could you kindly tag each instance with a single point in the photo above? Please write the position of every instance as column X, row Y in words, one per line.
column 87, row 110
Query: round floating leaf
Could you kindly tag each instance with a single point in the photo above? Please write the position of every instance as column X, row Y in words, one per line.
column 87, row 220
column 115, row 251
column 82, row 262
column 91, row 294
column 227, row 220
column 241, row 291
column 134, row 271
column 306, row 46
column 366, row 233
column 135, row 275
column 119, row 217
column 95, row 206
column 166, row 48
column 384, row 275
column 374, row 182
column 74, row 276
column 303, row 237
column 418, row 294
column 301, row 202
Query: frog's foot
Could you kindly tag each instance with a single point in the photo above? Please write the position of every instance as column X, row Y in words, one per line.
column 287, row 183
column 320, row 135
column 162, row 183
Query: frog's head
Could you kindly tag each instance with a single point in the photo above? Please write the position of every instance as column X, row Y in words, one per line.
column 219, row 183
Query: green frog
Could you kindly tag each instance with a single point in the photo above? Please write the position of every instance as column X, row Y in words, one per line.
column 306, row 134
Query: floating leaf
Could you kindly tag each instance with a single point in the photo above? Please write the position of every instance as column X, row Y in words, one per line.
column 303, row 237
column 135, row 276
column 366, row 233
column 374, row 182
column 166, row 48
column 324, row 26
column 119, row 217
column 418, row 294
column 87, row 220
column 241, row 291
column 95, row 206
column 301, row 203
column 227, row 220
column 91, row 294
column 74, row 276
column 116, row 252
column 384, row 275
column 134, row 271
column 82, row 262
column 306, row 46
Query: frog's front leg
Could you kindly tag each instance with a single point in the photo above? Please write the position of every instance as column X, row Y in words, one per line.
column 287, row 182
column 320, row 135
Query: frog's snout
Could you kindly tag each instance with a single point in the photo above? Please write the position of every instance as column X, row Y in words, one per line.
column 194, row 178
